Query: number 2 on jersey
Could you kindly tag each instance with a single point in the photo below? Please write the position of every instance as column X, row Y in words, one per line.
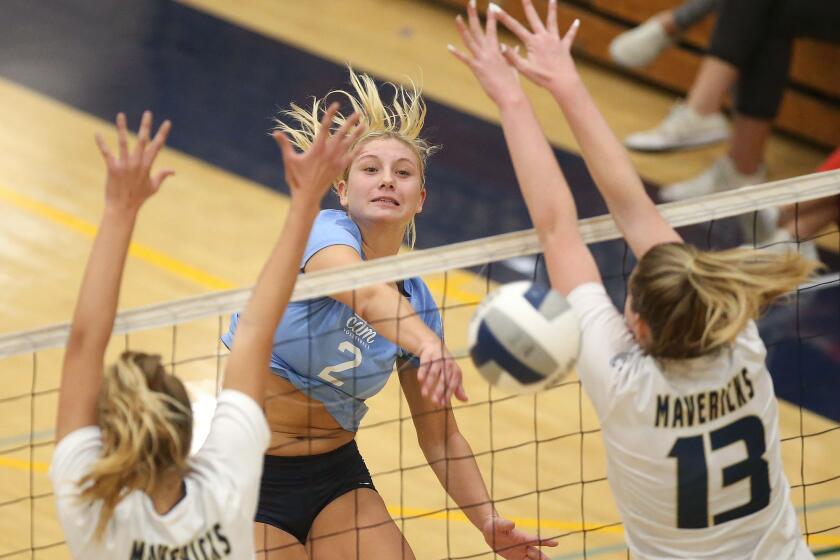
column 693, row 473
column 326, row 373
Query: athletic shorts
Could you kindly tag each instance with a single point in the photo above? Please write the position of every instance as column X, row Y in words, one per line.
column 294, row 490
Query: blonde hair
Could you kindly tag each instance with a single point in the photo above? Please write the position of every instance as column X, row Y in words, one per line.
column 403, row 120
column 146, row 423
column 695, row 302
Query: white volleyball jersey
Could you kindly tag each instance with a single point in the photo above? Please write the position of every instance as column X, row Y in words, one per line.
column 692, row 445
column 214, row 520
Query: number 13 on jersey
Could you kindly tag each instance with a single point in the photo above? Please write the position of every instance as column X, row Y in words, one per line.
column 693, row 473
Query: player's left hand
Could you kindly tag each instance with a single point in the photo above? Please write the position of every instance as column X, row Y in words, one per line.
column 548, row 60
column 512, row 544
column 498, row 78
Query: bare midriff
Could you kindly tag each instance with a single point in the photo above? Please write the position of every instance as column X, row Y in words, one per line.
column 299, row 425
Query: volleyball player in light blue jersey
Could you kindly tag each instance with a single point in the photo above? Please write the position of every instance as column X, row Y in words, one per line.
column 317, row 498
column 329, row 352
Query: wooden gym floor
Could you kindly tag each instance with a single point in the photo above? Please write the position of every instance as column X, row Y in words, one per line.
column 220, row 70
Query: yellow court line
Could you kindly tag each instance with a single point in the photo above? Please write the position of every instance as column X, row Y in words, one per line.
column 23, row 465
column 137, row 250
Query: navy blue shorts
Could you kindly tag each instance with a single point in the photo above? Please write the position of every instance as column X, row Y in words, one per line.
column 294, row 490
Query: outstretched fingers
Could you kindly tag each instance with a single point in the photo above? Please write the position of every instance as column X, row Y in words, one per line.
column 104, row 150
column 551, row 18
column 160, row 177
column 490, row 32
column 143, row 135
column 513, row 25
column 466, row 36
column 157, row 143
column 475, row 23
column 569, row 38
column 455, row 383
column 348, row 132
column 122, row 136
column 284, row 144
column 349, row 142
column 326, row 124
column 532, row 16
column 459, row 55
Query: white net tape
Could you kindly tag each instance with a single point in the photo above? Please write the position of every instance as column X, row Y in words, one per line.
column 456, row 256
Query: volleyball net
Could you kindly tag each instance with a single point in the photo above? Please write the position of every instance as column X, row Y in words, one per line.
column 541, row 455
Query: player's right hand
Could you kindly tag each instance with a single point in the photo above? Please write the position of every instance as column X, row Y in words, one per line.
column 439, row 374
column 309, row 174
column 129, row 183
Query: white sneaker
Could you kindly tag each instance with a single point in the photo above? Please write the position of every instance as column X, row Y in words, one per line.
column 721, row 176
column 641, row 45
column 682, row 128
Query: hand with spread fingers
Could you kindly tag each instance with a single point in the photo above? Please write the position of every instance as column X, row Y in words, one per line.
column 512, row 544
column 129, row 182
column 547, row 60
column 498, row 79
column 309, row 174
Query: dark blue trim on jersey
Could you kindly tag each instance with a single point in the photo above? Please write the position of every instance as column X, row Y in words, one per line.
column 487, row 348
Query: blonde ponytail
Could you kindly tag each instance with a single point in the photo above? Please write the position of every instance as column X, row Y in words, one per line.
column 403, row 120
column 146, row 423
column 695, row 302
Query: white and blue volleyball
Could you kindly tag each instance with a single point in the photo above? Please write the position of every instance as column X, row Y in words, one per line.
column 523, row 337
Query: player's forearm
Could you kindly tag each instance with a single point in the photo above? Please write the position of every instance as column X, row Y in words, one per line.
column 455, row 467
column 96, row 307
column 605, row 157
column 544, row 188
column 269, row 299
column 393, row 316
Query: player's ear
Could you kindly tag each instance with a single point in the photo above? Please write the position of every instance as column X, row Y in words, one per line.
column 422, row 200
column 341, row 188
column 637, row 325
column 643, row 332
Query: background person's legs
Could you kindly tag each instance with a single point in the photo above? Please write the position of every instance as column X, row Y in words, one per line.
column 639, row 46
column 691, row 12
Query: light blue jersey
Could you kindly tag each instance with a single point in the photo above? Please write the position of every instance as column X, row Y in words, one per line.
column 328, row 352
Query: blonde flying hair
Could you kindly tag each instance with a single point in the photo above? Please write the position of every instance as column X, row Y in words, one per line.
column 695, row 302
column 146, row 423
column 403, row 120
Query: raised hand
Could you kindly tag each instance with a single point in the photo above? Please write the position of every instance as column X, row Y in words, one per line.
column 309, row 174
column 512, row 544
column 439, row 374
column 129, row 183
column 547, row 61
column 495, row 75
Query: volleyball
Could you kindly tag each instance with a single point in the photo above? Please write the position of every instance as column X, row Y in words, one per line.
column 523, row 337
